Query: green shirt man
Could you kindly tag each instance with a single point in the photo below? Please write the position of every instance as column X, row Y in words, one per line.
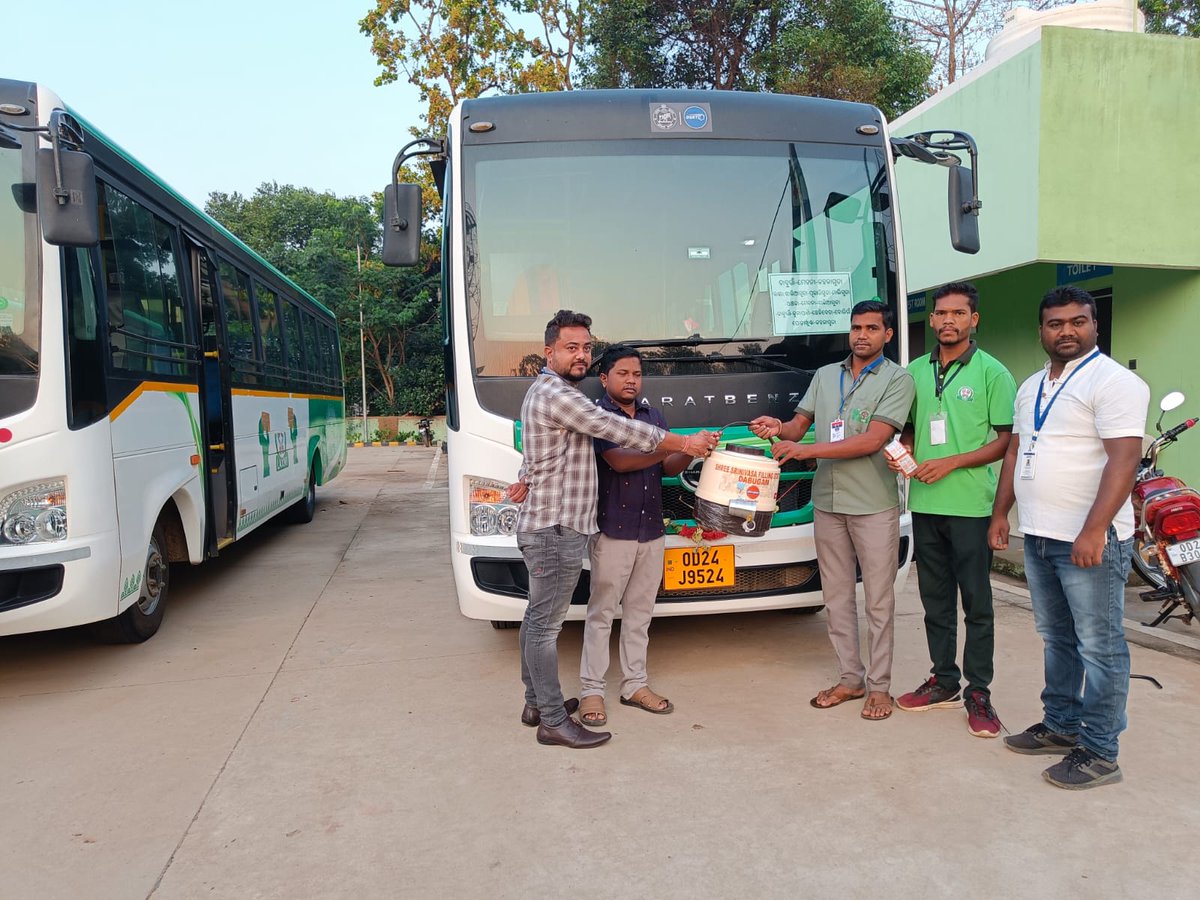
column 961, row 423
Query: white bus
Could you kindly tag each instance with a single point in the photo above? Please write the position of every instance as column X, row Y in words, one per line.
column 163, row 389
column 725, row 234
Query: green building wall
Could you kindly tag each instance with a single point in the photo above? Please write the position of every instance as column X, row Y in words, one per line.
column 1087, row 142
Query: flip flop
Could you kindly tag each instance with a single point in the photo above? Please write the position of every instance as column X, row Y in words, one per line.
column 593, row 705
column 644, row 698
column 835, row 699
column 889, row 704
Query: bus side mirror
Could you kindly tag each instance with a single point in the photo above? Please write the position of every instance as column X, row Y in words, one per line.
column 401, row 225
column 67, row 207
column 964, row 218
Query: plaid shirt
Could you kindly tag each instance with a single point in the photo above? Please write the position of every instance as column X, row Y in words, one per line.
column 557, row 426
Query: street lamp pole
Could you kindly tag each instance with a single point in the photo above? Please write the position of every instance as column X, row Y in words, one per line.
column 362, row 342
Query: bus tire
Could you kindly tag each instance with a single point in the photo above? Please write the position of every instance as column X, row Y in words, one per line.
column 305, row 508
column 142, row 619
column 502, row 626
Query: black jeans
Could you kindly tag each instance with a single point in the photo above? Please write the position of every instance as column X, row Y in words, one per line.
column 952, row 557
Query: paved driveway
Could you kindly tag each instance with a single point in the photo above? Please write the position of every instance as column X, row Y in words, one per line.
column 316, row 719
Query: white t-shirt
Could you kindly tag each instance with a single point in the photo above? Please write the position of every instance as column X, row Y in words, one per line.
column 1101, row 400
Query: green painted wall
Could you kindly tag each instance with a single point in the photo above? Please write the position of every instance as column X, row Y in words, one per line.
column 1156, row 313
column 1119, row 181
column 1001, row 111
column 1087, row 147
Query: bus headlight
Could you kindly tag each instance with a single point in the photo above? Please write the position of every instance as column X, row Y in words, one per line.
column 34, row 513
column 489, row 511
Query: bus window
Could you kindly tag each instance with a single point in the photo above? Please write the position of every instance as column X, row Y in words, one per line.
column 295, row 342
column 239, row 324
column 140, row 254
column 269, row 328
column 312, row 348
column 86, row 351
column 329, row 357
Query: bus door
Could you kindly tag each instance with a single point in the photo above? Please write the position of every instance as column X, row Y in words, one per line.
column 216, row 403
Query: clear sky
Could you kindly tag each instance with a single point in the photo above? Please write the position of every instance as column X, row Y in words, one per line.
column 221, row 95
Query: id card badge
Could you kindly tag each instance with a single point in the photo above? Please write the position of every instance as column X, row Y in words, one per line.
column 1027, row 463
column 837, row 430
column 937, row 429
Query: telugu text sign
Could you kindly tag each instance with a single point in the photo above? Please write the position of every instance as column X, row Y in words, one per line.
column 810, row 303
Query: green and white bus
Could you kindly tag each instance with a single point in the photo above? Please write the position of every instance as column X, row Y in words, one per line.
column 726, row 234
column 163, row 389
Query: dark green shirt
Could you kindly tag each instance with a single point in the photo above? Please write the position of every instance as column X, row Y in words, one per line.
column 864, row 485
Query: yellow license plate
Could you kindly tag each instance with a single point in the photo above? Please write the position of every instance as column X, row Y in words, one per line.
column 688, row 568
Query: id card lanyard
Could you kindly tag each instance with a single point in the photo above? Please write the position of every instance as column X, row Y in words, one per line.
column 1029, row 455
column 837, row 428
column 937, row 424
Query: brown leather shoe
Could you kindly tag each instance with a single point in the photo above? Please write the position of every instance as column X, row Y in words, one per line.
column 532, row 716
column 571, row 734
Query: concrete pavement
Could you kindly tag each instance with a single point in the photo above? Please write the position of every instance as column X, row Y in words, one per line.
column 316, row 719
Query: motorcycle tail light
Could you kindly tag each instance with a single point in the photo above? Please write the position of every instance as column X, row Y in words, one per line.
column 1173, row 524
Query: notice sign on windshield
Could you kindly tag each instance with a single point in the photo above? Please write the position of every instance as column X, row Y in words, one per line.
column 810, row 302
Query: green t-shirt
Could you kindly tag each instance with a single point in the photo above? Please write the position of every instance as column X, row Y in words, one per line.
column 864, row 485
column 977, row 397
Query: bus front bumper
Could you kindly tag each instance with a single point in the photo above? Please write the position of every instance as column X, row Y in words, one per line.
column 58, row 586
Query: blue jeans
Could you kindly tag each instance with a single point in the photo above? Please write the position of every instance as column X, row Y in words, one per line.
column 1078, row 613
column 554, row 558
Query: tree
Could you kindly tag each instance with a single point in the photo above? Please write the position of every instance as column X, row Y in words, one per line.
column 1180, row 17
column 849, row 50
column 316, row 239
column 453, row 50
column 676, row 44
column 954, row 32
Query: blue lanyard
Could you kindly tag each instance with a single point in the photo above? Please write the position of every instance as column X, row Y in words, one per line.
column 857, row 381
column 1040, row 415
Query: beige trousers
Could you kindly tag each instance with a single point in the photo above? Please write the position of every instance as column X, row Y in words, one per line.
column 625, row 574
column 874, row 542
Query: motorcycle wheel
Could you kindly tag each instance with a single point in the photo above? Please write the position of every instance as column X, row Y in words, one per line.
column 1146, row 563
column 1189, row 580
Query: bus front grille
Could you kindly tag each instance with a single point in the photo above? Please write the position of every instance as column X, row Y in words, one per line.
column 757, row 582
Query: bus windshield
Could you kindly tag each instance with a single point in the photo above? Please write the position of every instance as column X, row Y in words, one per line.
column 19, row 319
column 720, row 249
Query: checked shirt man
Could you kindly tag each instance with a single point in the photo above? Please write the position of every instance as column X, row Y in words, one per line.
column 960, row 424
column 557, row 486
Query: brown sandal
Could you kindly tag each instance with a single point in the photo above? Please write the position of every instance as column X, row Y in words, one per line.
column 836, row 696
column 874, row 703
column 593, row 706
column 644, row 698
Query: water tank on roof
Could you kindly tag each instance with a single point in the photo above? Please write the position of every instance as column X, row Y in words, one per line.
column 1107, row 15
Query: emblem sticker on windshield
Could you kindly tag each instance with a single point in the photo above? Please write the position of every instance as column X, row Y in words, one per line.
column 677, row 117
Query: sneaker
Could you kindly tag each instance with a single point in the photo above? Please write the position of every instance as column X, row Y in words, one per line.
column 930, row 695
column 1040, row 739
column 982, row 720
column 1082, row 769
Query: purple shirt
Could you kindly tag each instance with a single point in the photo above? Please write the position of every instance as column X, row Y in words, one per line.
column 629, row 506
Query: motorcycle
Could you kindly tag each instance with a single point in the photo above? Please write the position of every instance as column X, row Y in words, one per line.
column 1167, row 528
column 426, row 430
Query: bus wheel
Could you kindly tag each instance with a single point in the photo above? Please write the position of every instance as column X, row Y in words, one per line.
column 500, row 626
column 142, row 619
column 302, row 510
